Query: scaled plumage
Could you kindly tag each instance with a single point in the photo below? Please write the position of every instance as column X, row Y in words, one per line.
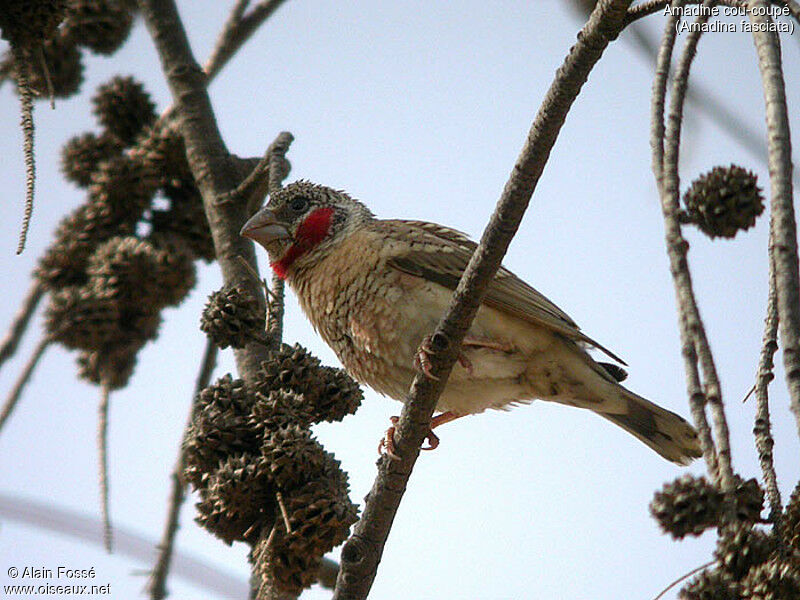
column 374, row 289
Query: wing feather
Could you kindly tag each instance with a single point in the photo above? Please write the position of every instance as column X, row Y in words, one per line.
column 441, row 254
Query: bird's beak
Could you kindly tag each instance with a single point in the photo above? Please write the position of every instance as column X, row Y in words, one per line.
column 264, row 228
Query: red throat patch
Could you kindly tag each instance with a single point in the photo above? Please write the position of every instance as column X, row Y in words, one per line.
column 311, row 232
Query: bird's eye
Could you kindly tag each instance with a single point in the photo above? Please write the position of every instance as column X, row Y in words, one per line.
column 298, row 204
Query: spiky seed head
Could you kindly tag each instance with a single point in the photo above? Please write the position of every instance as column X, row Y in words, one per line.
column 176, row 270
column 772, row 580
column 123, row 187
column 294, row 456
column 232, row 317
column 124, row 108
column 64, row 68
column 82, row 154
column 275, row 567
column 687, row 506
column 111, row 366
column 791, row 520
column 220, row 428
column 724, row 201
column 83, row 317
column 278, row 409
column 710, row 584
column 290, row 368
column 336, row 396
column 236, row 499
column 28, row 22
column 748, row 499
column 99, row 25
column 740, row 548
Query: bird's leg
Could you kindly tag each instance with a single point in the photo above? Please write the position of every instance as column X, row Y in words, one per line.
column 441, row 419
column 386, row 445
column 422, row 360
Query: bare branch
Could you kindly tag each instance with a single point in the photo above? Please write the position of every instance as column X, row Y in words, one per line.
column 21, row 320
column 783, row 227
column 19, row 385
column 102, row 453
column 237, row 31
column 764, row 375
column 157, row 586
column 665, row 168
column 362, row 552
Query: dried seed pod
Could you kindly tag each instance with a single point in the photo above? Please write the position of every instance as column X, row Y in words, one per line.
column 83, row 318
column 741, row 547
column 164, row 150
column 772, row 580
column 81, row 156
column 186, row 219
column 724, row 201
column 64, row 262
column 687, row 506
column 236, row 499
column 791, row 520
column 28, row 22
column 290, row 368
column 122, row 187
column 111, row 366
column 293, row 456
column 129, row 269
column 748, row 498
column 124, row 108
column 278, row 409
column 220, row 428
column 320, row 517
column 337, row 396
column 100, row 25
column 64, row 67
column 176, row 269
column 289, row 572
column 710, row 585
column 232, row 317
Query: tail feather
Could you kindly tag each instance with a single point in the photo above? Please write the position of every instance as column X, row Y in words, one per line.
column 664, row 431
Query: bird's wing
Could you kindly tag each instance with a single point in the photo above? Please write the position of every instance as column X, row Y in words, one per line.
column 441, row 254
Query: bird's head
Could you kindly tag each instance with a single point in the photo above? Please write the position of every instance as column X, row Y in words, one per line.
column 302, row 222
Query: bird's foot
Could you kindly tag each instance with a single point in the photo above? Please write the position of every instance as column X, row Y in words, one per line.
column 476, row 342
column 386, row 445
column 422, row 361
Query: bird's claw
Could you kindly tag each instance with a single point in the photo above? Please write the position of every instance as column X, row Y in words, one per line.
column 386, row 445
column 422, row 361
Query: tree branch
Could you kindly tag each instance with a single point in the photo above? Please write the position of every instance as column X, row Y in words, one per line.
column 21, row 320
column 157, row 586
column 764, row 375
column 362, row 552
column 665, row 168
column 22, row 380
column 783, row 228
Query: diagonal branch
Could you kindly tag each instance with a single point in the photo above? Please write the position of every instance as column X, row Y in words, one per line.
column 783, row 227
column 10, row 342
column 665, row 145
column 157, row 586
column 362, row 552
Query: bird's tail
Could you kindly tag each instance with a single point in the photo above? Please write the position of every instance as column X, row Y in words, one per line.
column 664, row 431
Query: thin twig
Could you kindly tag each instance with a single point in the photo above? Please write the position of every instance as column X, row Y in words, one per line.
column 783, row 228
column 361, row 554
column 48, row 79
column 275, row 306
column 665, row 168
column 102, row 453
column 237, row 31
column 764, row 375
column 157, row 586
column 22, row 380
column 284, row 512
column 21, row 320
column 682, row 577
column 645, row 9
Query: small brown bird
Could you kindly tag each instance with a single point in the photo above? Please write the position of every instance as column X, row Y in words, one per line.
column 375, row 289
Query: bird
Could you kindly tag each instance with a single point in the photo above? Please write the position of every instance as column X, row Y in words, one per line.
column 375, row 289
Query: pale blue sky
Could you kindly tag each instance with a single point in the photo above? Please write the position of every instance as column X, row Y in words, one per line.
column 419, row 109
